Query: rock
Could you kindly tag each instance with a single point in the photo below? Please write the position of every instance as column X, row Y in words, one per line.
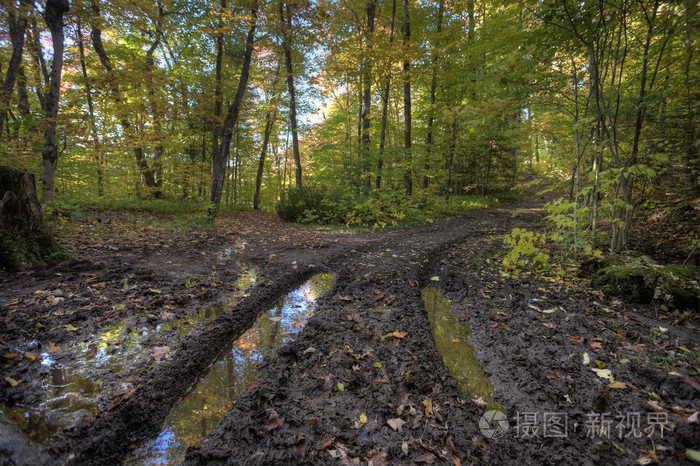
column 24, row 239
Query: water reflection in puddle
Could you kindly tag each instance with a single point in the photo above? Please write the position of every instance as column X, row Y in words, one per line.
column 196, row 415
column 452, row 343
column 69, row 394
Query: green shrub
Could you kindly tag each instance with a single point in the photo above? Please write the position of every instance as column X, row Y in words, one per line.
column 311, row 204
column 525, row 251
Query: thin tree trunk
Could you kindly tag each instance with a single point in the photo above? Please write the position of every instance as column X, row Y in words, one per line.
column 367, row 88
column 385, row 103
column 433, row 86
column 145, row 171
column 17, row 26
column 53, row 16
column 270, row 118
column 91, row 111
column 218, row 94
column 286, row 24
column 406, row 34
column 219, row 163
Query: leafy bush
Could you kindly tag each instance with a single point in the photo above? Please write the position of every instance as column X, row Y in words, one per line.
column 525, row 250
column 311, row 204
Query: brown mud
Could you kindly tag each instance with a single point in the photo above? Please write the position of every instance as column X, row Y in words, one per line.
column 374, row 390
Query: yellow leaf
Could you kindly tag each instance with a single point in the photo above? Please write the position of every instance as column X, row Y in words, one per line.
column 153, row 290
column 600, row 364
column 363, row 420
column 12, row 381
column 341, row 387
column 31, row 357
column 617, row 385
column 10, row 355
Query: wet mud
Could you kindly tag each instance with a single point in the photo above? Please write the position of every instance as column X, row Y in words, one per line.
column 377, row 373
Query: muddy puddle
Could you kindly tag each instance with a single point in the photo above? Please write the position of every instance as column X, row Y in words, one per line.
column 72, row 385
column 191, row 420
column 451, row 340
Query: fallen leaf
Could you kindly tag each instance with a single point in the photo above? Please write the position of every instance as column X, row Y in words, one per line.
column 251, row 386
column 10, row 355
column 327, row 443
column 551, row 376
column 597, row 293
column 52, row 347
column 550, row 325
column 310, row 349
column 568, row 398
column 693, row 419
column 596, row 345
column 603, row 373
column 549, row 311
column 600, row 364
column 12, row 381
column 154, row 291
column 586, row 359
column 494, row 324
column 362, row 421
column 396, row 424
column 70, row 328
column 428, row 403
column 435, row 279
column 341, row 387
column 655, row 405
column 273, row 424
column 31, row 357
column 400, row 334
column 427, row 458
column 345, row 298
column 617, row 385
column 479, row 402
column 160, row 352
column 693, row 455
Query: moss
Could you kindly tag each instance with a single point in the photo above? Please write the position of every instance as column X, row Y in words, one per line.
column 36, row 247
column 674, row 285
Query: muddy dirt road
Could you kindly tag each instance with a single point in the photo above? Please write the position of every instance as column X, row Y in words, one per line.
column 415, row 345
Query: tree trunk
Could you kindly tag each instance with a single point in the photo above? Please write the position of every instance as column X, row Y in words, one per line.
column 270, row 118
column 286, row 24
column 147, row 175
column 218, row 94
column 17, row 26
column 385, row 103
column 24, row 240
column 91, row 110
column 433, row 86
column 367, row 89
column 406, row 33
column 219, row 162
column 54, row 20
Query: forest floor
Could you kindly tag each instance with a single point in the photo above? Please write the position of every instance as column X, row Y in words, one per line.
column 580, row 376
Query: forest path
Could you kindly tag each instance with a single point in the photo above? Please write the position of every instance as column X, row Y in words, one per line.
column 371, row 335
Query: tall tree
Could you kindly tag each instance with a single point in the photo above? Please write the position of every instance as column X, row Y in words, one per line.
column 17, row 23
column 367, row 88
column 433, row 86
column 406, row 36
column 385, row 102
column 218, row 173
column 53, row 15
column 285, row 14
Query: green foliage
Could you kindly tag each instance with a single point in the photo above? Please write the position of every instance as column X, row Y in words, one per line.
column 310, row 204
column 566, row 232
column 525, row 250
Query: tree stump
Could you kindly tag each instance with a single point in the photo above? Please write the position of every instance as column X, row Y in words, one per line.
column 24, row 239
